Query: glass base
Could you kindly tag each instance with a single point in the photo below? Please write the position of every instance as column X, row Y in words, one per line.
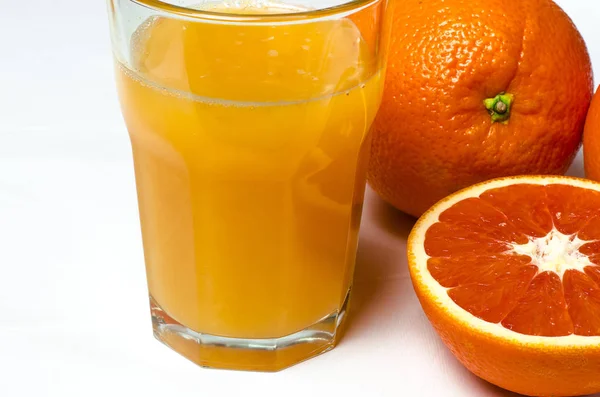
column 249, row 354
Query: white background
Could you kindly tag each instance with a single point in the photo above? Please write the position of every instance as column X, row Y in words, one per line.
column 74, row 318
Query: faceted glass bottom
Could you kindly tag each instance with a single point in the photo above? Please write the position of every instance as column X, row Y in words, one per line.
column 267, row 355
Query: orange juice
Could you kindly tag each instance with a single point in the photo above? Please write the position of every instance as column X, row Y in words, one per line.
column 250, row 146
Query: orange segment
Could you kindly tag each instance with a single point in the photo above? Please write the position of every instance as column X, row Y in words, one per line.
column 593, row 273
column 526, row 205
column 572, row 208
column 508, row 272
column 467, row 269
column 477, row 215
column 583, row 299
column 590, row 248
column 591, row 231
column 496, row 292
column 447, row 239
column 542, row 310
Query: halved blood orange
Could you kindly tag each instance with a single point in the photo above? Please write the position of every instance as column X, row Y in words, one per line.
column 508, row 273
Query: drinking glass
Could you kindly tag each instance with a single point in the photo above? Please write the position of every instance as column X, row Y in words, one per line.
column 249, row 124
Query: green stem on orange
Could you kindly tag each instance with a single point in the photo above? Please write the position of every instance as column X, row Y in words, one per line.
column 499, row 107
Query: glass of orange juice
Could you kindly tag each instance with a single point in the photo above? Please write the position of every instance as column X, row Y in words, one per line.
column 249, row 123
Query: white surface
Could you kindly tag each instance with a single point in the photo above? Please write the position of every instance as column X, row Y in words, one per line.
column 74, row 317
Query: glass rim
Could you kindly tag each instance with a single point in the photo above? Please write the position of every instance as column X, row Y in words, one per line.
column 225, row 17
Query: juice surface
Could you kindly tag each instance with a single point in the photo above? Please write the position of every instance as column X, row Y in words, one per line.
column 250, row 146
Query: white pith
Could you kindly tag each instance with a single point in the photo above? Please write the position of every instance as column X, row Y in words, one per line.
column 418, row 264
column 556, row 252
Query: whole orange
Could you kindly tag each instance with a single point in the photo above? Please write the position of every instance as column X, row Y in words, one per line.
column 591, row 140
column 477, row 89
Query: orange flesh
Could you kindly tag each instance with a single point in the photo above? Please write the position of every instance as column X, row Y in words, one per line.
column 471, row 254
